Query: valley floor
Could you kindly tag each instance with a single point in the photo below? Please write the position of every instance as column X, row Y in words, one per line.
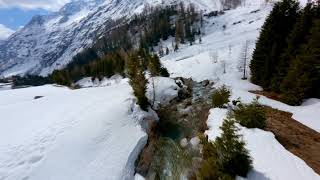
column 51, row 132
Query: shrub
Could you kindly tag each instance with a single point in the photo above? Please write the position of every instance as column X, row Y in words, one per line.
column 221, row 97
column 210, row 168
column 250, row 115
column 164, row 72
column 30, row 80
column 233, row 158
column 226, row 157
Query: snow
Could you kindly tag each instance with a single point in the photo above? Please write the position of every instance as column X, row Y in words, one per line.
column 165, row 90
column 5, row 32
column 91, row 133
column 5, row 86
column 138, row 177
column 270, row 159
column 90, row 82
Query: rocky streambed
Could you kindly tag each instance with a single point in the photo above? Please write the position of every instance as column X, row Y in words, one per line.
column 173, row 148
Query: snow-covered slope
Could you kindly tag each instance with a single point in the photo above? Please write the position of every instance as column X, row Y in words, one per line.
column 49, row 42
column 52, row 132
column 270, row 159
column 68, row 134
column 5, row 32
column 242, row 24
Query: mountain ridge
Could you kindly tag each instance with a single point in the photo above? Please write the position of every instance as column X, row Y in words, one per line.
column 49, row 42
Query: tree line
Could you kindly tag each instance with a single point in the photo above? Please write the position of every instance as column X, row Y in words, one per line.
column 179, row 21
column 128, row 48
column 286, row 59
column 110, row 53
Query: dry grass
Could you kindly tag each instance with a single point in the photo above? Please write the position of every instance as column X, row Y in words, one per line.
column 295, row 137
column 269, row 94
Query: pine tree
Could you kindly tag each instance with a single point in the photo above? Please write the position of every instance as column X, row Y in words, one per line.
column 155, row 66
column 226, row 157
column 295, row 39
column 303, row 78
column 233, row 157
column 138, row 81
column 272, row 42
column 179, row 36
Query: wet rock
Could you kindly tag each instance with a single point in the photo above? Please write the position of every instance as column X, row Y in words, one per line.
column 38, row 97
column 184, row 142
column 195, row 142
column 205, row 83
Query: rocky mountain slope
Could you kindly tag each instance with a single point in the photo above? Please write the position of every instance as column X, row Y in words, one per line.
column 49, row 42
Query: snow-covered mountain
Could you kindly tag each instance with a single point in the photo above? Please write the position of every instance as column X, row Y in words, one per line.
column 96, row 132
column 49, row 42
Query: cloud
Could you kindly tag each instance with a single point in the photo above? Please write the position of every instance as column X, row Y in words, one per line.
column 5, row 32
column 50, row 5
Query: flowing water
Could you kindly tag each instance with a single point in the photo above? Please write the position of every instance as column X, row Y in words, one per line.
column 163, row 157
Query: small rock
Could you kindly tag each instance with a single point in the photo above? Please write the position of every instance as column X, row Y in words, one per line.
column 184, row 142
column 205, row 83
column 38, row 97
column 195, row 142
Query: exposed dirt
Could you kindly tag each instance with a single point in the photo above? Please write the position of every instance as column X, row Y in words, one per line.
column 269, row 94
column 295, row 137
column 146, row 155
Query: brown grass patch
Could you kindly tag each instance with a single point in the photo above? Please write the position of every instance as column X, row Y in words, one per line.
column 268, row 94
column 295, row 137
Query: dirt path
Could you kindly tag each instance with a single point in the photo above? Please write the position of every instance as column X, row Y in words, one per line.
column 295, row 137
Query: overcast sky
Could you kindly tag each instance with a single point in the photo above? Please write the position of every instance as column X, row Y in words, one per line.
column 16, row 13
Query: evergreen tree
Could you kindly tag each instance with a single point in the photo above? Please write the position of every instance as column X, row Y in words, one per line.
column 233, row 157
column 226, row 157
column 295, row 39
column 155, row 66
column 179, row 36
column 138, row 81
column 272, row 41
column 303, row 78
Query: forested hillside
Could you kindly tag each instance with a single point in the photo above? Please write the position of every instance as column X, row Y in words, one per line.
column 143, row 35
column 287, row 55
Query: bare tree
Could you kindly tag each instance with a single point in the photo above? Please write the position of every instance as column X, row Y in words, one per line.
column 161, row 52
column 244, row 59
column 224, row 66
column 154, row 92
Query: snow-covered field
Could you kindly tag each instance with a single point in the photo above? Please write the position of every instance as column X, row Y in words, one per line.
column 5, row 86
column 52, row 132
column 91, row 133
